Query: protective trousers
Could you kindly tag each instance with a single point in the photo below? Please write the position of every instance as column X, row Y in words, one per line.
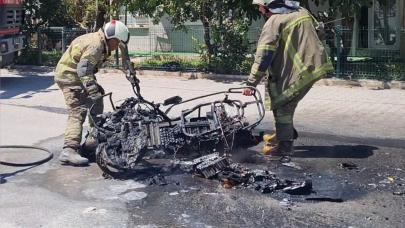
column 284, row 117
column 77, row 102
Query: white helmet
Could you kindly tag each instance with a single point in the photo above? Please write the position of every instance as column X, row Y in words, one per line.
column 278, row 6
column 262, row 2
column 116, row 29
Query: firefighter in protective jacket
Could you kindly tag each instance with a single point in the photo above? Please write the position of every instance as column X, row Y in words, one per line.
column 75, row 76
column 293, row 57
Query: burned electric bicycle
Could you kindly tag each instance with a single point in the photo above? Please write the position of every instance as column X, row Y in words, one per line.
column 138, row 126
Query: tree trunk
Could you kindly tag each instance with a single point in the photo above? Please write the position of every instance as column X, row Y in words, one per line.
column 207, row 35
column 100, row 19
column 355, row 36
column 207, row 31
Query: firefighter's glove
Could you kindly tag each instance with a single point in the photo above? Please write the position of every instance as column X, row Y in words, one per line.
column 94, row 91
column 131, row 76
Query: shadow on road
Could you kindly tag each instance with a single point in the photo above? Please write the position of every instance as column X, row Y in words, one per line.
column 336, row 151
column 14, row 86
column 43, row 108
column 4, row 176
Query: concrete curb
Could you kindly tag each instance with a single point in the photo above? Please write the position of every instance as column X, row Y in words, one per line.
column 193, row 75
column 30, row 68
column 371, row 84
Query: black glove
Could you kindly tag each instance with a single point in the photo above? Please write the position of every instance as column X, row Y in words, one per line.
column 94, row 90
column 131, row 77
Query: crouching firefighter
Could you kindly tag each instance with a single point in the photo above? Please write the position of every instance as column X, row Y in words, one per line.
column 290, row 52
column 74, row 75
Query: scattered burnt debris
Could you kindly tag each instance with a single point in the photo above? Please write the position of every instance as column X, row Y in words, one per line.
column 348, row 166
column 299, row 188
column 291, row 165
column 399, row 193
column 325, row 199
column 157, row 180
column 214, row 166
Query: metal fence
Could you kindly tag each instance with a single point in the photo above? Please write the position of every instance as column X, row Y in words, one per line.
column 57, row 38
column 365, row 54
column 371, row 54
column 166, row 40
column 47, row 45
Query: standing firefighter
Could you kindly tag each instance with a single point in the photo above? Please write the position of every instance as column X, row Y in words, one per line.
column 75, row 77
column 291, row 53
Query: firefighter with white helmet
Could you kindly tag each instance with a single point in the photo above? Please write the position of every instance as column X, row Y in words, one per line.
column 293, row 57
column 75, row 76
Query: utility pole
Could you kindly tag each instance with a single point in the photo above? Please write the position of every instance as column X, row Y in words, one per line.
column 126, row 12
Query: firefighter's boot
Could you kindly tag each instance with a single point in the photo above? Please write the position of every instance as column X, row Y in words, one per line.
column 70, row 156
column 88, row 148
column 270, row 144
column 285, row 150
column 282, row 149
column 267, row 138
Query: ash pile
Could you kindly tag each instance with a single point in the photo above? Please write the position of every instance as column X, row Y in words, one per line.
column 234, row 175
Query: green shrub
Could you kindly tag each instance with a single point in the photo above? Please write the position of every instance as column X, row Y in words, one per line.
column 246, row 65
column 51, row 58
column 396, row 71
column 171, row 62
column 29, row 57
column 34, row 57
column 230, row 48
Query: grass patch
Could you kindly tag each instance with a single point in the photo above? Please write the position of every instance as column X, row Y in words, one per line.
column 172, row 63
column 151, row 54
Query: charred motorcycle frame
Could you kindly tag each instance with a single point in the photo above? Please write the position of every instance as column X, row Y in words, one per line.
column 138, row 126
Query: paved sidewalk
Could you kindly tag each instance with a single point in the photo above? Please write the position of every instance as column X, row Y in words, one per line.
column 354, row 112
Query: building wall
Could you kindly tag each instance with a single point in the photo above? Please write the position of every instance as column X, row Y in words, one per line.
column 162, row 37
column 139, row 40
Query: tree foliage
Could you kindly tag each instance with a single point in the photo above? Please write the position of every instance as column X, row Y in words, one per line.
column 225, row 25
column 347, row 8
column 42, row 13
column 226, row 22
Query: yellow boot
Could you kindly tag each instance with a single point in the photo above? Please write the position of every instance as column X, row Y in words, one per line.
column 267, row 138
column 270, row 144
column 269, row 148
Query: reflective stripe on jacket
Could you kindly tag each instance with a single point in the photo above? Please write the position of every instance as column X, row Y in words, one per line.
column 290, row 51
